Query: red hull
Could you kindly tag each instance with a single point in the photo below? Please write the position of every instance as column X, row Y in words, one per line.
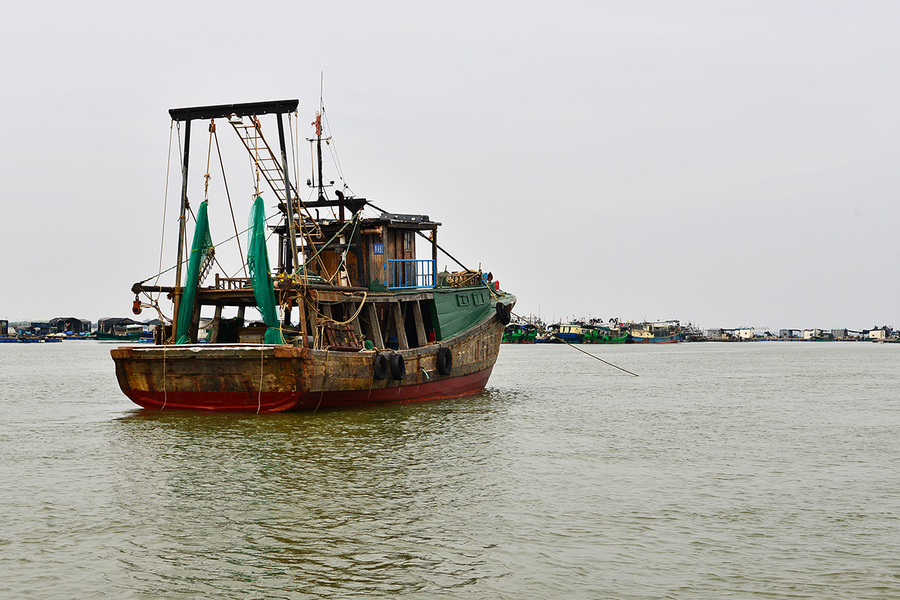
column 215, row 401
column 437, row 390
column 267, row 402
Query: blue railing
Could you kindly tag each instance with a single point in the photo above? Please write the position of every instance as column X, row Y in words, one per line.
column 410, row 274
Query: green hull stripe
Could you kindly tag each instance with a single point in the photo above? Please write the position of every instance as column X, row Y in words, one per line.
column 458, row 309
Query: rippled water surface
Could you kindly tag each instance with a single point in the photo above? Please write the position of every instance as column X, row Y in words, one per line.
column 767, row 470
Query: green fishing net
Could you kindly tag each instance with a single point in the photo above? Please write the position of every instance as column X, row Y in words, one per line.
column 201, row 256
column 260, row 277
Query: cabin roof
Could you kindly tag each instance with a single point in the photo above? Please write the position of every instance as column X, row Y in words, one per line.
column 402, row 221
column 397, row 221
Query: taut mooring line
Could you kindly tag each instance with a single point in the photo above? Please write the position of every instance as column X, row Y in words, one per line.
column 606, row 362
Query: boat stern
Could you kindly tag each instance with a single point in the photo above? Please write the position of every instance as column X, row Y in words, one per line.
column 234, row 378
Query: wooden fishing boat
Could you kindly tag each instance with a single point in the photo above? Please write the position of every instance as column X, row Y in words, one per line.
column 572, row 333
column 128, row 333
column 667, row 332
column 594, row 333
column 350, row 317
column 519, row 333
column 131, row 336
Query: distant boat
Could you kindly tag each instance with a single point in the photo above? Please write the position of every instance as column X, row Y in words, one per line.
column 578, row 332
column 596, row 333
column 119, row 337
column 127, row 333
column 668, row 332
column 546, row 337
column 29, row 340
column 566, row 333
column 665, row 339
column 517, row 333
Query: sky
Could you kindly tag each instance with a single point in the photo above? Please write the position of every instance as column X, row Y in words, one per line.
column 725, row 163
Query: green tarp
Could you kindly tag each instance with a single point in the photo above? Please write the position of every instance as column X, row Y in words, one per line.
column 260, row 277
column 201, row 250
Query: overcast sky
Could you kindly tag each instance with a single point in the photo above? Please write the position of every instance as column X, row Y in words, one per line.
column 729, row 163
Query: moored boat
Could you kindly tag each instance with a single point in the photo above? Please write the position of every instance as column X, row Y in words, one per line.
column 605, row 338
column 565, row 333
column 667, row 332
column 131, row 336
column 519, row 333
column 351, row 316
column 611, row 333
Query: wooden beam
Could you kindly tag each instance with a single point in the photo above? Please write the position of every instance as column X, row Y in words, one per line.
column 355, row 323
column 193, row 330
column 420, row 324
column 312, row 321
column 302, row 310
column 378, row 339
column 217, row 320
column 397, row 314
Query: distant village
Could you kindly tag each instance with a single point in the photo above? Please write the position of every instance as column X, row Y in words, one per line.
column 62, row 328
column 878, row 333
column 597, row 331
column 527, row 330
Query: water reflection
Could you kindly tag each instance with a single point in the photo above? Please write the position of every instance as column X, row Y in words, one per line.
column 388, row 500
column 723, row 470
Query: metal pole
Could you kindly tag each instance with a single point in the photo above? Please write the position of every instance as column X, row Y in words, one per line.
column 292, row 233
column 181, row 222
column 288, row 196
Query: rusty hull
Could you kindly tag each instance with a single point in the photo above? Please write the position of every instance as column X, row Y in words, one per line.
column 242, row 378
column 340, row 379
column 267, row 378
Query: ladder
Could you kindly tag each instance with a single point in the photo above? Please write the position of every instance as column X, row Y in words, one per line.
column 262, row 155
column 264, row 159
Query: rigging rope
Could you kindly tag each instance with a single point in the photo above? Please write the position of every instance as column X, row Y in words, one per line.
column 230, row 206
column 315, row 304
column 572, row 346
column 212, row 132
column 325, row 245
column 355, row 221
column 522, row 318
column 332, row 148
column 162, row 241
column 225, row 241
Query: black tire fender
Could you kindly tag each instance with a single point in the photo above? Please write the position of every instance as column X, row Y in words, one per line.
column 398, row 367
column 381, row 367
column 444, row 361
column 503, row 313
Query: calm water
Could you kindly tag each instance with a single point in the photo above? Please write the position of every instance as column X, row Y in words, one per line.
column 767, row 470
